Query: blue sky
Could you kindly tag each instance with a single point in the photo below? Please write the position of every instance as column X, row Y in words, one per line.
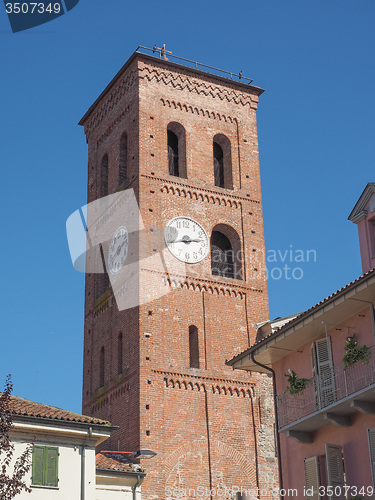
column 316, row 135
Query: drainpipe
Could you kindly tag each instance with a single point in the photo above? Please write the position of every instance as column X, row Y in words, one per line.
column 276, row 418
column 134, row 488
column 89, row 434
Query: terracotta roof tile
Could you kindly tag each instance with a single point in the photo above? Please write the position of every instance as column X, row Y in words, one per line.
column 25, row 407
column 113, row 461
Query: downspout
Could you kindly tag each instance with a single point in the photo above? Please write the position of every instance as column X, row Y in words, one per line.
column 134, row 488
column 276, row 418
column 89, row 434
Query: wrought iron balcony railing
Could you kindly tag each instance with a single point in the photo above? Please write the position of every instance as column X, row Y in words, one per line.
column 334, row 386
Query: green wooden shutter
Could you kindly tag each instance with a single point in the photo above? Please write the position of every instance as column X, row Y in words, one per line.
column 312, row 477
column 37, row 469
column 335, row 471
column 51, row 458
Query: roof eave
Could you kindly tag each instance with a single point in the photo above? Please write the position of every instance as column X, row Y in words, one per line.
column 238, row 360
column 116, row 472
column 17, row 418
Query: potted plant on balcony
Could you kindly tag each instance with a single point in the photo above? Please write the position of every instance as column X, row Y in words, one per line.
column 355, row 352
column 296, row 384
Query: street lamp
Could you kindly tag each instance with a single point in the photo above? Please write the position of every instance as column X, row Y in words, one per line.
column 144, row 454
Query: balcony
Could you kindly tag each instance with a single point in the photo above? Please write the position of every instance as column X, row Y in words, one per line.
column 331, row 398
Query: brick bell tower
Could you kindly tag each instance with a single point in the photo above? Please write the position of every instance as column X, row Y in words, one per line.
column 185, row 140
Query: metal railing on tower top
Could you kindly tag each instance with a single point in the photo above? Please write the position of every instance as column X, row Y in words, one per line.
column 167, row 54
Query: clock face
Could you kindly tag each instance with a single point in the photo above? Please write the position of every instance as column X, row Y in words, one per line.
column 186, row 240
column 118, row 250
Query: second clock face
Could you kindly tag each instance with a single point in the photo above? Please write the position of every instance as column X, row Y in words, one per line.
column 186, row 240
column 118, row 250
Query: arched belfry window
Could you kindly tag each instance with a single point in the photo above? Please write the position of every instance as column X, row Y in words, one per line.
column 123, row 164
column 176, row 139
column 218, row 165
column 101, row 367
column 193, row 346
column 104, row 177
column 221, row 255
column 226, row 254
column 173, row 154
column 222, row 162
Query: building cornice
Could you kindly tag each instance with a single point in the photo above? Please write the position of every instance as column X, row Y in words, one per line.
column 169, row 65
column 362, row 202
column 358, row 217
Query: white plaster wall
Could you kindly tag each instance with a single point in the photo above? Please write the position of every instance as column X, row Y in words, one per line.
column 111, row 492
column 69, row 473
column 115, row 487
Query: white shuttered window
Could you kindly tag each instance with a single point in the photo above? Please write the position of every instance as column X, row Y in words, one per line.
column 335, row 471
column 312, row 477
column 323, row 368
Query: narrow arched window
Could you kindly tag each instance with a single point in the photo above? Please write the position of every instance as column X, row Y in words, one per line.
column 101, row 367
column 102, row 279
column 176, row 139
column 218, row 165
column 119, row 354
column 123, row 166
column 193, row 346
column 222, row 162
column 106, row 282
column 104, row 177
column 221, row 255
column 173, row 154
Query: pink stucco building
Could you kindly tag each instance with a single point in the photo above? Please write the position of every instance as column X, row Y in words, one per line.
column 324, row 382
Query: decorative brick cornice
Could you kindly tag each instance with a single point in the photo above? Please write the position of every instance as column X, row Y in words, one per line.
column 204, row 285
column 110, row 128
column 200, row 194
column 188, row 108
column 103, row 302
column 110, row 101
column 215, row 385
column 182, row 81
column 118, row 387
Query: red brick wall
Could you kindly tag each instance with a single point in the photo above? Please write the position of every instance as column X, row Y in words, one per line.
column 205, row 423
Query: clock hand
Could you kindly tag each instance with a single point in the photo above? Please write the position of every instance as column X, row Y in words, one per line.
column 184, row 241
column 120, row 247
